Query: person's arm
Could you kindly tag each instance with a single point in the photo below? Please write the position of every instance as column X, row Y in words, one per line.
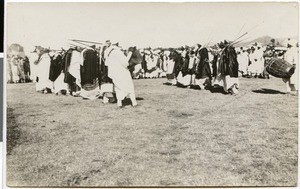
column 129, row 55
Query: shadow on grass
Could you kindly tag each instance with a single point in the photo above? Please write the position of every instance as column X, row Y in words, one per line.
column 216, row 90
column 267, row 91
column 127, row 101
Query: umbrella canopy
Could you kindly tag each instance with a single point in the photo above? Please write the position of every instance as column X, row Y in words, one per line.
column 16, row 50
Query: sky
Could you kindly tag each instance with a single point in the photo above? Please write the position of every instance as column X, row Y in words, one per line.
column 147, row 24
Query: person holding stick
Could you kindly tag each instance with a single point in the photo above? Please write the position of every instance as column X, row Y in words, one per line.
column 227, row 72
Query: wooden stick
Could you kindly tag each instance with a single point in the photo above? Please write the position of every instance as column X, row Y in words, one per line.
column 83, row 44
column 86, row 41
column 240, row 31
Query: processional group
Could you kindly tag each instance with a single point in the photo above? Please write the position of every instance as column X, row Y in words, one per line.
column 107, row 70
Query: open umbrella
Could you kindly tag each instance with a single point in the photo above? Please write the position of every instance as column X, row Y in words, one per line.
column 16, row 50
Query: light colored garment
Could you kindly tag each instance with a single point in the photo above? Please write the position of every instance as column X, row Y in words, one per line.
column 107, row 88
column 117, row 64
column 257, row 62
column 151, row 65
column 151, row 62
column 170, row 66
column 184, row 80
column 33, row 66
column 243, row 61
column 192, row 62
column 59, row 84
column 226, row 82
column 14, row 71
column 90, row 94
column 260, row 60
column 291, row 56
column 202, row 82
column 74, row 70
column 43, row 69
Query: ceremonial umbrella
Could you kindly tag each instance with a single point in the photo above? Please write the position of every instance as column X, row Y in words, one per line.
column 16, row 50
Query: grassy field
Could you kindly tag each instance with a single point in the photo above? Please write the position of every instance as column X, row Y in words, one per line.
column 175, row 137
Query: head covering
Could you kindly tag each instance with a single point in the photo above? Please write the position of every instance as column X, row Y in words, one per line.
column 107, row 42
column 221, row 45
column 40, row 50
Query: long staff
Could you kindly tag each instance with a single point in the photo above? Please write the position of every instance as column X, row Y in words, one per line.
column 77, row 40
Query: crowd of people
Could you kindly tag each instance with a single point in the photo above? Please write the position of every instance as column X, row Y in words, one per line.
column 108, row 71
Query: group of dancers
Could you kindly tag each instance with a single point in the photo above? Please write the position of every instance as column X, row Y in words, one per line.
column 200, row 67
column 108, row 71
column 88, row 72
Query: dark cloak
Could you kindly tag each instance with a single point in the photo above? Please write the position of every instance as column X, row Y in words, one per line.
column 89, row 71
column 66, row 66
column 26, row 66
column 103, row 72
column 144, row 63
column 228, row 64
column 203, row 68
column 214, row 65
column 56, row 67
column 185, row 65
column 177, row 58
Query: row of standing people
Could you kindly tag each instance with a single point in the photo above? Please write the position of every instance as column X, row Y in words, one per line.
column 18, row 69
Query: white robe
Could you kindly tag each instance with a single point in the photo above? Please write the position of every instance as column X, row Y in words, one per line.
column 14, row 71
column 74, row 70
column 137, row 71
column 260, row 60
column 59, row 83
column 151, row 64
column 257, row 66
column 243, row 61
column 117, row 64
column 187, row 79
column 291, row 56
column 43, row 69
column 170, row 68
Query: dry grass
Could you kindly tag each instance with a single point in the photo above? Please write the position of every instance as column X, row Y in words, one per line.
column 175, row 137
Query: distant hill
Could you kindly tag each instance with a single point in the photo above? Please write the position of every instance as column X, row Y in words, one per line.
column 264, row 40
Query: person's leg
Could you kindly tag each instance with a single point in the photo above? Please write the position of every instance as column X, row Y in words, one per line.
column 105, row 99
column 288, row 87
column 119, row 102
column 133, row 99
column 292, row 87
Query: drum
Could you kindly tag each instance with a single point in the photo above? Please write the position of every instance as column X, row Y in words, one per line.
column 280, row 68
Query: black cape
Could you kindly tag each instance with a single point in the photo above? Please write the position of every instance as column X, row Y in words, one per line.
column 56, row 67
column 203, row 68
column 228, row 64
column 66, row 66
column 89, row 72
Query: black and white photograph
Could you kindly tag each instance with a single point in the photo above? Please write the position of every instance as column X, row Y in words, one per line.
column 151, row 94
